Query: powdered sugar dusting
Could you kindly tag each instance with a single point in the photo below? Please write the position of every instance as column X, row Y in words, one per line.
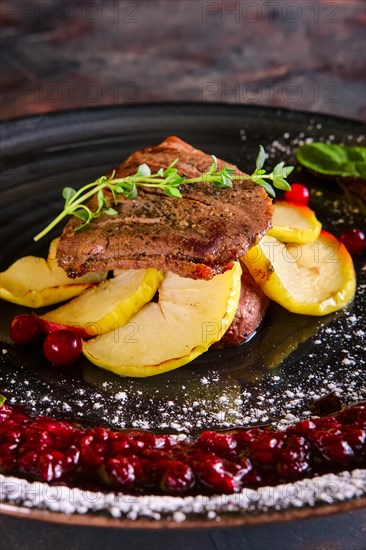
column 326, row 489
column 330, row 360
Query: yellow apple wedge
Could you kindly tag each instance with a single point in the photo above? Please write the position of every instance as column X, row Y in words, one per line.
column 294, row 223
column 189, row 316
column 106, row 306
column 313, row 279
column 35, row 282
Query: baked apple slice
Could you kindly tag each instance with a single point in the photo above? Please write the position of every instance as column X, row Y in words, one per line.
column 189, row 316
column 313, row 279
column 294, row 223
column 107, row 306
column 35, row 282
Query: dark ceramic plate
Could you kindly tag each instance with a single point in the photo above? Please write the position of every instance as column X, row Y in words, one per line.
column 275, row 377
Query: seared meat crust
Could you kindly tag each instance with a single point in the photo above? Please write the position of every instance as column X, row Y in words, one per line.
column 196, row 236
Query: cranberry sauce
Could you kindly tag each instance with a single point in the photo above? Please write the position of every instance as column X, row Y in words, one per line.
column 56, row 451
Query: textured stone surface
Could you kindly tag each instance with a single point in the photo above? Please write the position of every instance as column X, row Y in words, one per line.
column 301, row 54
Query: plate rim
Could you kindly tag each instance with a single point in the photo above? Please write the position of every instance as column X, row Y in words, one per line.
column 179, row 104
column 226, row 521
column 241, row 518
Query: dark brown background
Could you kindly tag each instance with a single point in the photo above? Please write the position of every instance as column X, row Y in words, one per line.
column 303, row 54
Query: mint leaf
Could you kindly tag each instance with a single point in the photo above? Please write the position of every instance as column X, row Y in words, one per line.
column 2, row 399
column 333, row 160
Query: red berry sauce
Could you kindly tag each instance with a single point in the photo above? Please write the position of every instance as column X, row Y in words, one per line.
column 56, row 451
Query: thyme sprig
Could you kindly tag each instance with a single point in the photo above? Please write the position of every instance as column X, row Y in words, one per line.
column 167, row 180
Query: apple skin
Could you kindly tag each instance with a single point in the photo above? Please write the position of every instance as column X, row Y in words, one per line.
column 35, row 282
column 45, row 297
column 50, row 326
column 294, row 223
column 167, row 335
column 276, row 276
column 107, row 306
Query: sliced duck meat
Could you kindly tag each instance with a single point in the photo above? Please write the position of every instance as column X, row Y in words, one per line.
column 195, row 236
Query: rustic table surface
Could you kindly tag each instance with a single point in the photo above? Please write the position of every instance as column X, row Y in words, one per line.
column 302, row 54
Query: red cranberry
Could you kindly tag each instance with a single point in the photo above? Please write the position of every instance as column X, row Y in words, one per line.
column 13, row 435
column 24, row 329
column 356, row 438
column 120, row 471
column 36, row 439
column 352, row 415
column 298, row 194
column 119, row 444
column 48, row 450
column 7, row 426
column 62, row 432
column 71, row 458
column 213, row 473
column 265, row 447
column 354, row 240
column 178, row 478
column 8, row 458
column 291, row 467
column 156, row 456
column 45, row 466
column 28, row 462
column 339, row 452
column 219, row 443
column 50, row 466
column 5, row 412
column 62, row 347
column 241, row 469
column 92, row 451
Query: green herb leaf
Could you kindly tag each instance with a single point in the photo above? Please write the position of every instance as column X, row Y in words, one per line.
column 287, row 170
column 167, row 180
column 2, row 399
column 101, row 200
column 278, row 170
column 172, row 192
column 213, row 166
column 261, row 158
column 133, row 192
column 143, row 170
column 81, row 214
column 68, row 193
column 280, row 183
column 111, row 212
column 333, row 160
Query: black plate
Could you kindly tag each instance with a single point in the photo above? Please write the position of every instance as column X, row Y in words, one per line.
column 275, row 377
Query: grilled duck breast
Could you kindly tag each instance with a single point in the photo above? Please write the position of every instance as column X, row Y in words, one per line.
column 195, row 236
